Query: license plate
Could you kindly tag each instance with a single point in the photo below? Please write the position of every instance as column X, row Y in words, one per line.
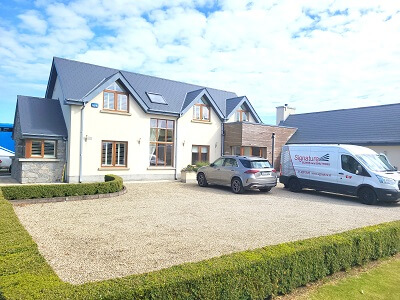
column 265, row 173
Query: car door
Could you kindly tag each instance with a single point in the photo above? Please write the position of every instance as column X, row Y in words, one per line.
column 228, row 169
column 214, row 171
column 350, row 174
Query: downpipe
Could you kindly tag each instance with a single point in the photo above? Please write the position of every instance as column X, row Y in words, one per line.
column 81, row 143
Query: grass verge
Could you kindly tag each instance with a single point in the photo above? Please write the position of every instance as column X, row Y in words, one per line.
column 381, row 282
column 255, row 274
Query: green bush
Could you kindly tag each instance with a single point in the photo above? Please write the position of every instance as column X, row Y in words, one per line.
column 255, row 274
column 111, row 184
column 194, row 168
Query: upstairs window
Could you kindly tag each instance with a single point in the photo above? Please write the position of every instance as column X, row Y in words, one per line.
column 201, row 110
column 40, row 149
column 115, row 98
column 242, row 114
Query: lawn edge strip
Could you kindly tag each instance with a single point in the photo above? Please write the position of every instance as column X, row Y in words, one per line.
column 253, row 274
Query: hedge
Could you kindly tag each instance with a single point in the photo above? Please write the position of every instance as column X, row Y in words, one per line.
column 111, row 184
column 255, row 274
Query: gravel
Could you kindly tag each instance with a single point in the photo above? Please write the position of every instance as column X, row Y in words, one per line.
column 159, row 224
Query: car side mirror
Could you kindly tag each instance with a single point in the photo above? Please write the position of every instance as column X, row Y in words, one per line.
column 395, row 168
column 359, row 170
column 212, row 165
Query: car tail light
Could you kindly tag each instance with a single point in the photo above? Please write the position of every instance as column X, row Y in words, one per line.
column 273, row 171
column 252, row 171
column 1, row 161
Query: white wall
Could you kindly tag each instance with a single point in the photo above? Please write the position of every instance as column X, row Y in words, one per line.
column 392, row 152
column 132, row 128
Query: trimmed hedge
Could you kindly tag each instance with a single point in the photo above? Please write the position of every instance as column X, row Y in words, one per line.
column 111, row 184
column 256, row 274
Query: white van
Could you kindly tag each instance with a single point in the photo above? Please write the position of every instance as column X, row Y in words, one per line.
column 344, row 169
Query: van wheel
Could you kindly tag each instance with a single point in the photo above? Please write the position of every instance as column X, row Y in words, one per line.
column 294, row 185
column 367, row 196
column 237, row 186
column 201, row 180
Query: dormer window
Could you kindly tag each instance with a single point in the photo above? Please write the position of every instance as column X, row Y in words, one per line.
column 201, row 110
column 242, row 114
column 115, row 98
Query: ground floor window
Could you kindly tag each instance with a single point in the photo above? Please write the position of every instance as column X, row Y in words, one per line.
column 40, row 149
column 249, row 151
column 200, row 154
column 114, row 154
column 161, row 142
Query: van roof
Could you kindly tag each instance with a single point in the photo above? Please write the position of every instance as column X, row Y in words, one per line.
column 354, row 149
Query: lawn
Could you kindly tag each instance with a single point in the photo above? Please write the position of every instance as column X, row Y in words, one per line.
column 382, row 282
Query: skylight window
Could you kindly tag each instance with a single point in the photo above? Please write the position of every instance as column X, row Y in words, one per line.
column 156, row 98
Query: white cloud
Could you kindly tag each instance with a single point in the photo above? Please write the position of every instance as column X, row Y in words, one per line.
column 314, row 55
column 33, row 21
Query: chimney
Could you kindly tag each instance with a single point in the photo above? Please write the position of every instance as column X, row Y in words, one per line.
column 282, row 112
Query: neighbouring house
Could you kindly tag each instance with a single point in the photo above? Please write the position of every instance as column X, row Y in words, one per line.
column 375, row 127
column 96, row 120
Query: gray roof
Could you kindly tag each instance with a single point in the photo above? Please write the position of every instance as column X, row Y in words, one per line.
column 374, row 125
column 40, row 117
column 78, row 80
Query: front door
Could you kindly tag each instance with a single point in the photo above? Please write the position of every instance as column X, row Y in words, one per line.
column 350, row 174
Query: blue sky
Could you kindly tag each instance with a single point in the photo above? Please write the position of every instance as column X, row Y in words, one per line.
column 313, row 55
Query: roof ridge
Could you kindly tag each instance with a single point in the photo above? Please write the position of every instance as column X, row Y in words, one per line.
column 119, row 70
column 41, row 98
column 343, row 109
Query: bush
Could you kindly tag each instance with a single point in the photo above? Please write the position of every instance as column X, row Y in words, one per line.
column 255, row 274
column 194, row 168
column 111, row 184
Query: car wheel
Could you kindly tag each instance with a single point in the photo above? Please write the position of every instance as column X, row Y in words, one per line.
column 367, row 196
column 201, row 180
column 294, row 185
column 265, row 190
column 237, row 186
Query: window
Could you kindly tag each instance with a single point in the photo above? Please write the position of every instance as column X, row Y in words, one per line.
column 218, row 162
column 201, row 110
column 200, row 154
column 349, row 164
column 161, row 142
column 156, row 98
column 230, row 162
column 242, row 115
column 255, row 164
column 115, row 98
column 114, row 154
column 40, row 149
column 249, row 151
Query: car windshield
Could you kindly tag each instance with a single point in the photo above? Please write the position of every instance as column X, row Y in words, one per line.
column 255, row 164
column 375, row 163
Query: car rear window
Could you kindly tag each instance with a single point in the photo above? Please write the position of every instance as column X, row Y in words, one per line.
column 255, row 164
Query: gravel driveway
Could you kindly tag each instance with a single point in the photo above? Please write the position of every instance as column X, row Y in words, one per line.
column 160, row 224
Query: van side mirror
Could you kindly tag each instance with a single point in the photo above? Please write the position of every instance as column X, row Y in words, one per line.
column 359, row 170
column 395, row 168
column 212, row 165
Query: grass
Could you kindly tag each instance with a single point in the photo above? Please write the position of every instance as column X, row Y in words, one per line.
column 381, row 282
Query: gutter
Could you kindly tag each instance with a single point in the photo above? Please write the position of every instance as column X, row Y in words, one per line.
column 81, row 143
column 176, row 148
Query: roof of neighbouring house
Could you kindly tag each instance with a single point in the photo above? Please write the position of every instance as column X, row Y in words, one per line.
column 40, row 117
column 6, row 140
column 80, row 79
column 373, row 125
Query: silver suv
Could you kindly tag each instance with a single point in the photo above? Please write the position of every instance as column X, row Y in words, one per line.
column 240, row 173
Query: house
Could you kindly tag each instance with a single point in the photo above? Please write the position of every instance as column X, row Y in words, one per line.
column 95, row 120
column 375, row 127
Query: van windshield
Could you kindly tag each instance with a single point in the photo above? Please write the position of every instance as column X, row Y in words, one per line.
column 375, row 163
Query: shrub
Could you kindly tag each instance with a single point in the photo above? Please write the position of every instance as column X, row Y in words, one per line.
column 111, row 184
column 194, row 168
column 255, row 274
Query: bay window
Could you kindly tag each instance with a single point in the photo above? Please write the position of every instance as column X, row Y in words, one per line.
column 161, row 142
column 114, row 154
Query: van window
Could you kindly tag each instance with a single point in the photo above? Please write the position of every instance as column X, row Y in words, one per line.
column 349, row 164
